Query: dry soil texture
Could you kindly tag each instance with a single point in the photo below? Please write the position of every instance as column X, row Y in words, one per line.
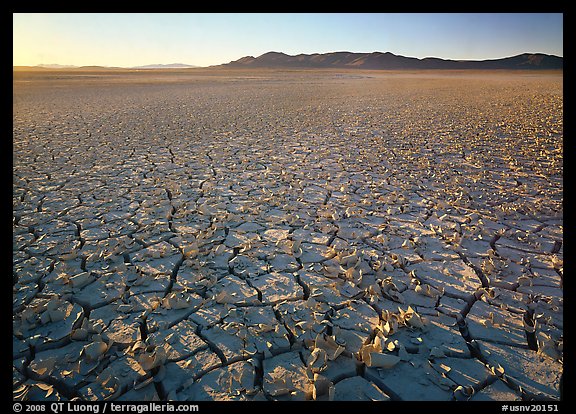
column 287, row 235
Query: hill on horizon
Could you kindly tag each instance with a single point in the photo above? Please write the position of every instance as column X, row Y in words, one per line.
column 165, row 66
column 390, row 61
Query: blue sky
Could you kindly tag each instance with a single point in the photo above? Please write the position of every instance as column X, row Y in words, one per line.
column 131, row 39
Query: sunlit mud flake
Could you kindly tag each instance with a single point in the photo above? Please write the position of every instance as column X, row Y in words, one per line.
column 141, row 303
column 44, row 365
column 275, row 235
column 474, row 248
column 349, row 290
column 32, row 269
column 534, row 373
column 231, row 289
column 323, row 289
column 358, row 389
column 248, row 227
column 412, row 319
column 201, row 361
column 353, row 230
column 150, row 357
column 172, row 308
column 454, row 276
column 230, row 339
column 121, row 374
column 316, row 253
column 277, row 286
column 124, row 330
column 48, row 321
column 404, row 257
column 311, row 237
column 218, row 259
column 285, row 377
column 234, row 382
column 501, row 272
column 352, row 340
column 387, row 289
column 314, row 194
column 101, row 317
column 160, row 258
column 284, row 263
column 95, row 233
column 105, row 289
column 278, row 217
column 245, row 267
column 180, row 340
column 116, row 215
column 23, row 294
column 145, row 283
column 241, row 240
column 61, row 364
column 210, row 313
column 54, row 245
column 263, row 331
column 332, row 346
column 439, row 339
column 303, row 318
column 36, row 391
column 550, row 313
column 372, row 354
column 434, row 249
column 358, row 315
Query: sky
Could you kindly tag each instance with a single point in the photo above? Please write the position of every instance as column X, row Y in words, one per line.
column 204, row 39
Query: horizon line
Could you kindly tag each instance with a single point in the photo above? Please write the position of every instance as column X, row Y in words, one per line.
column 191, row 66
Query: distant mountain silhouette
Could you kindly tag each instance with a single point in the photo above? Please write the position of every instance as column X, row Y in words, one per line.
column 165, row 66
column 390, row 61
column 56, row 66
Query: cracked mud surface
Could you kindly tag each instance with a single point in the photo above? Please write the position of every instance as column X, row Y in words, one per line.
column 288, row 236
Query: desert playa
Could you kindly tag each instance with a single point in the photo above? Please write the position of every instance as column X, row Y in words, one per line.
column 260, row 234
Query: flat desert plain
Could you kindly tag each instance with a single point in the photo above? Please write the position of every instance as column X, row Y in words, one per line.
column 287, row 235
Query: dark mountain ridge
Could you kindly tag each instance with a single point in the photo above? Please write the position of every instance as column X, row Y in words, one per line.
column 390, row 61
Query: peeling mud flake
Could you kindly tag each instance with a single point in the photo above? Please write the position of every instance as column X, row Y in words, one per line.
column 118, row 377
column 234, row 382
column 180, row 341
column 276, row 287
column 285, row 377
column 358, row 316
column 233, row 290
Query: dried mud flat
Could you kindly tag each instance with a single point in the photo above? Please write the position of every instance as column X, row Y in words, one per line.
column 288, row 236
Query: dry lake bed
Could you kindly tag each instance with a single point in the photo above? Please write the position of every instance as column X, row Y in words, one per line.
column 287, row 235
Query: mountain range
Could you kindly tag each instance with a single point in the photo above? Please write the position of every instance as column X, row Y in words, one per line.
column 390, row 61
